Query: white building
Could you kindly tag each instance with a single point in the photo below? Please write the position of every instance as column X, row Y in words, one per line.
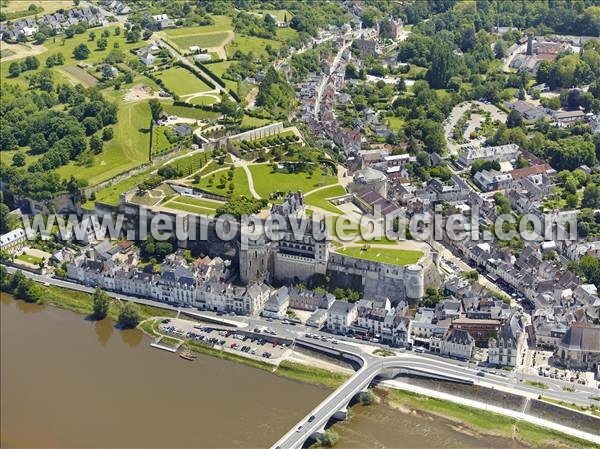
column 13, row 241
column 341, row 315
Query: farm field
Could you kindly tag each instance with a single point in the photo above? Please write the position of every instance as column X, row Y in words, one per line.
column 203, row 40
column 182, row 81
column 267, row 182
column 399, row 257
column 319, row 198
column 79, row 75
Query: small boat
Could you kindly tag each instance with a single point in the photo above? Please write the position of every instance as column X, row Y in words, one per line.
column 188, row 355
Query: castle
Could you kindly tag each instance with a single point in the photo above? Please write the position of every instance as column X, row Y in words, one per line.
column 299, row 254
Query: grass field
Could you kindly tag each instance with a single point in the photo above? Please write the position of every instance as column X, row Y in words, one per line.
column 205, row 100
column 199, row 202
column 33, row 260
column 399, row 257
column 204, row 40
column 49, row 5
column 189, row 164
column 182, row 81
column 249, row 122
column 187, row 112
column 80, row 75
column 218, row 68
column 247, row 44
column 395, row 123
column 127, row 149
column 319, row 198
column 280, row 14
column 240, row 184
column 222, row 23
column 184, row 207
column 267, row 182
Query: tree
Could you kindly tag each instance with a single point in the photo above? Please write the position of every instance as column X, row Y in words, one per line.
column 102, row 43
column 591, row 196
column 442, row 65
column 514, row 119
column 129, row 316
column 14, row 69
column 499, row 50
column 155, row 109
column 18, row 160
column 107, row 133
column 101, row 304
column 81, row 52
column 96, row 144
column 39, row 38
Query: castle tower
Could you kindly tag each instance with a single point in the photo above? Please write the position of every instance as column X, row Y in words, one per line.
column 254, row 257
column 414, row 283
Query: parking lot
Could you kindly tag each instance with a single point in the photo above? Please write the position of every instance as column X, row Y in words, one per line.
column 260, row 345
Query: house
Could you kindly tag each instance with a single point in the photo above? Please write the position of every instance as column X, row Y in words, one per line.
column 480, row 330
column 490, row 180
column 527, row 110
column 567, row 118
column 504, row 350
column 310, row 300
column 341, row 316
column 12, row 242
column 456, row 344
column 499, row 153
column 183, row 130
column 202, row 57
column 277, row 304
column 147, row 58
column 580, row 347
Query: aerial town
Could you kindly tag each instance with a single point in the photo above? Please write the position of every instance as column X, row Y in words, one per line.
column 345, row 120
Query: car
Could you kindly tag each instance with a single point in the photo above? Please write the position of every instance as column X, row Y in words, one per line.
column 312, row 418
column 299, row 428
column 480, row 373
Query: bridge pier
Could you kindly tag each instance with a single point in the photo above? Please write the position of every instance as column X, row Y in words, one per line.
column 340, row 415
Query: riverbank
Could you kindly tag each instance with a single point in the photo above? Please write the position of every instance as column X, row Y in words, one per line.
column 481, row 421
column 473, row 419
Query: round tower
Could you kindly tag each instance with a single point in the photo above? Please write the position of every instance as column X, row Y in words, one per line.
column 414, row 283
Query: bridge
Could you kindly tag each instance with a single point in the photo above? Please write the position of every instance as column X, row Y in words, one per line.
column 336, row 404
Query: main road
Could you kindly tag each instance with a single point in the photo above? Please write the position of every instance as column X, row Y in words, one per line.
column 371, row 367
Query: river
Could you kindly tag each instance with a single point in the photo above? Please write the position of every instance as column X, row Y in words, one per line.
column 70, row 382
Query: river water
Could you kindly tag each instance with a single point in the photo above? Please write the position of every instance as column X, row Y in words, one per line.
column 69, row 382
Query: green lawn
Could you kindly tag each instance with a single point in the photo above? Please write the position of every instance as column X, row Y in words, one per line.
column 280, row 14
column 395, row 123
column 187, row 112
column 249, row 122
column 199, row 202
column 267, row 182
column 204, row 40
column 205, row 100
column 219, row 68
column 247, row 44
column 390, row 256
column 34, row 260
column 240, row 183
column 222, row 23
column 127, row 149
column 189, row 164
column 182, row 81
column 184, row 207
column 319, row 198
